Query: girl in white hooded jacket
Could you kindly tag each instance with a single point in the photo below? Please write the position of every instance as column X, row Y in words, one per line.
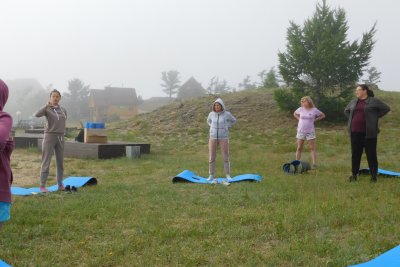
column 219, row 120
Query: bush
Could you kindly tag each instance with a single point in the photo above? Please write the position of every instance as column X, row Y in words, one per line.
column 287, row 99
column 333, row 107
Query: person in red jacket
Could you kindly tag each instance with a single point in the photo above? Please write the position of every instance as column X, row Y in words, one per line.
column 6, row 148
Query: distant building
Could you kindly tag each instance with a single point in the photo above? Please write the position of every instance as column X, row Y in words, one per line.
column 191, row 89
column 112, row 103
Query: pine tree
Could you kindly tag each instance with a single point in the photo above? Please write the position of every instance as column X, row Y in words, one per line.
column 171, row 82
column 271, row 80
column 373, row 77
column 77, row 98
column 320, row 61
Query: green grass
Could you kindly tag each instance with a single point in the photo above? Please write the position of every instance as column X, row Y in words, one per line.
column 135, row 216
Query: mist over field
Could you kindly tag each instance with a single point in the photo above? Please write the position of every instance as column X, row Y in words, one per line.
column 129, row 43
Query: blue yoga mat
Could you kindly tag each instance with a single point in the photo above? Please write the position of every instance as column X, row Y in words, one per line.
column 71, row 181
column 3, row 264
column 190, row 177
column 382, row 172
column 388, row 259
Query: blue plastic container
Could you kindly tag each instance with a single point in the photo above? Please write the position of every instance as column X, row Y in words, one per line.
column 100, row 125
column 95, row 125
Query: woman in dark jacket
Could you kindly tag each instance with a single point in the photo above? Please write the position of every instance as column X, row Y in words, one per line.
column 364, row 113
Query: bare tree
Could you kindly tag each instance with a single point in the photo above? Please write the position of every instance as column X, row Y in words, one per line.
column 247, row 84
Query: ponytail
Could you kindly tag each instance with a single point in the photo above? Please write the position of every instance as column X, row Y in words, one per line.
column 370, row 93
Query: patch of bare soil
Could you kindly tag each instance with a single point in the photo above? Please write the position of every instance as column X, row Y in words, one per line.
column 26, row 167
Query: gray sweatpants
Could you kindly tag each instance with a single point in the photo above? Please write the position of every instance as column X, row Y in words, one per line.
column 52, row 143
column 212, row 150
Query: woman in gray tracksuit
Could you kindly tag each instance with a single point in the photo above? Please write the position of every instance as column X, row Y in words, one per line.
column 219, row 120
column 53, row 141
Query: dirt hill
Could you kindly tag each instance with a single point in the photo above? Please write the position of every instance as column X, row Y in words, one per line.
column 255, row 110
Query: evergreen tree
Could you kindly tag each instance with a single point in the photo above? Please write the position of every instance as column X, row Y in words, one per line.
column 76, row 99
column 373, row 77
column 262, row 74
column 271, row 79
column 171, row 82
column 321, row 62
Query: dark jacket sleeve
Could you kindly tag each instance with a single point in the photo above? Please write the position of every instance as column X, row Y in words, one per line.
column 347, row 109
column 383, row 109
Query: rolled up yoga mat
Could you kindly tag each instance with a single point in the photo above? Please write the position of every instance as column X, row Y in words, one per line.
column 296, row 166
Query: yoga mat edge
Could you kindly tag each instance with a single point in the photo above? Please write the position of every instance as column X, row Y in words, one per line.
column 388, row 259
column 381, row 172
column 4, row 264
column 190, row 177
column 72, row 181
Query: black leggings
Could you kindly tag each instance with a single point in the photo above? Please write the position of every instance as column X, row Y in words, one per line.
column 358, row 143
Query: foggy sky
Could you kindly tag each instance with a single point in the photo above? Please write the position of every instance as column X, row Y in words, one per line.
column 130, row 42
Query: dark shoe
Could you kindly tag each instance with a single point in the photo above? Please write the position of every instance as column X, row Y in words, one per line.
column 74, row 189
column 353, row 178
column 374, row 179
column 67, row 188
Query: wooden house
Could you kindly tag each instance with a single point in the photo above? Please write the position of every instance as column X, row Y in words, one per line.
column 112, row 103
column 191, row 89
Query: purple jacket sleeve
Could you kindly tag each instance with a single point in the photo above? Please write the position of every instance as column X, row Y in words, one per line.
column 5, row 129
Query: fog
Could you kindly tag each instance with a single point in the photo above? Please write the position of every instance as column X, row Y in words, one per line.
column 129, row 43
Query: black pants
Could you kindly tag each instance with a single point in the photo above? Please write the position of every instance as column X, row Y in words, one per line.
column 358, row 143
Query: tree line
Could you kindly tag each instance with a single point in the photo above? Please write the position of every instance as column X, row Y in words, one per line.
column 171, row 83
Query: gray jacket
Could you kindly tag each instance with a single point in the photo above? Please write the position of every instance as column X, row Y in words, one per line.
column 374, row 109
column 56, row 118
column 220, row 122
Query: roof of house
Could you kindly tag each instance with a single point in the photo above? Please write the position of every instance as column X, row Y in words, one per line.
column 190, row 89
column 192, row 83
column 112, row 96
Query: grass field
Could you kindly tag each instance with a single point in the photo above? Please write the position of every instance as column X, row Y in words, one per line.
column 135, row 216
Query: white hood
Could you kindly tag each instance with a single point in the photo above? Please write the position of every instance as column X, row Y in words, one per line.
column 219, row 101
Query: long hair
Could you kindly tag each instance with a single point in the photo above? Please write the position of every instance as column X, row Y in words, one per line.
column 309, row 100
column 365, row 87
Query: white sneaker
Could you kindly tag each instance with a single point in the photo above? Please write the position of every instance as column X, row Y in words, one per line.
column 214, row 181
column 210, row 178
column 225, row 182
column 228, row 178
